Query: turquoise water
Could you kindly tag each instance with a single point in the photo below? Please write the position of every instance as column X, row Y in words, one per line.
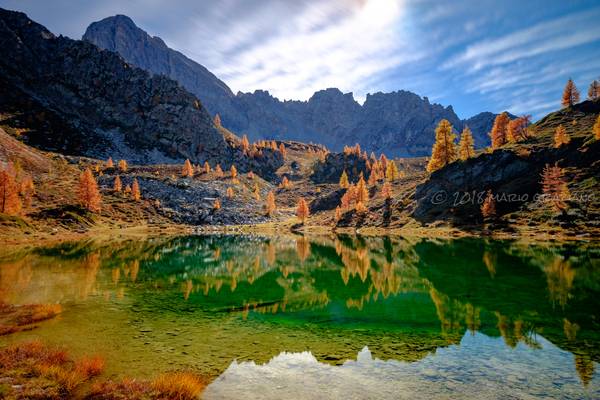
column 326, row 317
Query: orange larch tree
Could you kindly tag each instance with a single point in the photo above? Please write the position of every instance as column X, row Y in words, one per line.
column 229, row 193
column 110, row 163
column 206, row 167
column 391, row 172
column 10, row 203
column 362, row 194
column 245, row 144
column 444, row 149
column 302, row 211
column 338, row 214
column 499, row 133
column 218, row 171
column 561, row 136
column 596, row 128
column 570, row 94
column 89, row 195
column 270, row 206
column 217, row 204
column 386, row 191
column 135, row 190
column 344, row 180
column 123, row 165
column 234, row 172
column 554, row 187
column 187, row 169
column 466, row 147
column 285, row 183
column 256, row 192
column 282, row 150
column 117, row 186
column 488, row 208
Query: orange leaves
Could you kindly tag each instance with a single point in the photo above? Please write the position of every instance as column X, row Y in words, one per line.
column 135, row 190
column 10, row 203
column 570, row 94
column 488, row 208
column 561, row 136
column 88, row 193
column 270, row 206
column 554, row 187
column 444, row 149
column 187, row 169
column 302, row 211
column 499, row 133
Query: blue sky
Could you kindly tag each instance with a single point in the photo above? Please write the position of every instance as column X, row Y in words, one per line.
column 473, row 55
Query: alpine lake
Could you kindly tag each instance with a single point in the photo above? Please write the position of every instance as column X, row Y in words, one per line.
column 341, row 317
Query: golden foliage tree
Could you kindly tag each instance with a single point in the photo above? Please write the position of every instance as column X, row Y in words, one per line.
column 233, row 171
column 499, row 133
column 10, row 203
column 123, row 165
column 285, row 183
column 217, row 204
column 256, row 192
column 466, row 147
column 135, row 190
column 596, row 128
column 594, row 90
column 27, row 191
column 230, row 193
column 570, row 94
column 561, row 136
column 518, row 128
column 218, row 171
column 386, row 191
column 344, row 180
column 270, row 206
column 282, row 150
column 217, row 121
column 245, row 144
column 206, row 167
column 488, row 208
column 302, row 211
column 444, row 149
column 117, row 185
column 338, row 214
column 554, row 187
column 110, row 163
column 88, row 194
column 187, row 169
column 391, row 172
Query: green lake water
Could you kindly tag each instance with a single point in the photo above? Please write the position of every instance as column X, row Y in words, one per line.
column 341, row 317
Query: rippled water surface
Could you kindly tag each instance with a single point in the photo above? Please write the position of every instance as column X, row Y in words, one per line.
column 326, row 317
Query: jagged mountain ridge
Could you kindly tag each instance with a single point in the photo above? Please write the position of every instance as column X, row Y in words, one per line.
column 105, row 106
column 399, row 123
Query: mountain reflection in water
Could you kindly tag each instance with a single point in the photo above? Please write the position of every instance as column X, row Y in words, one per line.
column 454, row 312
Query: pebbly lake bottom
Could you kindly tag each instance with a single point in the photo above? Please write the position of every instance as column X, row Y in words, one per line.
column 343, row 317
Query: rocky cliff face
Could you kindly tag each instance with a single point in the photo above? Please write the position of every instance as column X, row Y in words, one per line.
column 398, row 123
column 107, row 106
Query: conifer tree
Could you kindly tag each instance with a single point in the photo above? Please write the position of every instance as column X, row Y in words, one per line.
column 285, row 183
column 465, row 146
column 362, row 194
column 499, row 133
column 338, row 214
column 344, row 180
column 27, row 191
column 245, row 144
column 282, row 150
column 444, row 149
column 360, row 207
column 217, row 121
column 374, row 175
column 596, row 128
column 110, row 163
column 554, row 187
column 594, row 90
column 206, row 167
column 89, row 195
column 488, row 208
column 561, row 136
column 218, row 171
column 233, row 171
column 123, row 165
column 270, row 206
column 135, row 190
column 187, row 169
column 383, row 162
column 117, row 186
column 256, row 192
column 230, row 193
column 570, row 94
column 386, row 191
column 302, row 211
column 10, row 203
column 127, row 189
column 217, row 204
column 391, row 173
